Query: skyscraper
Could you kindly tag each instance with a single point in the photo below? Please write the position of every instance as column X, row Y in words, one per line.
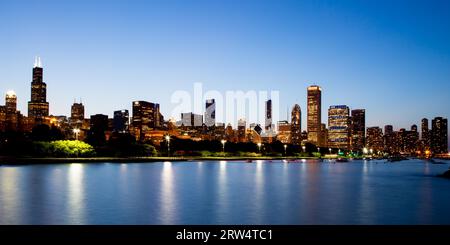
column 425, row 135
column 191, row 120
column 268, row 118
column 121, row 121
column 296, row 125
column 38, row 105
column 98, row 128
column 241, row 130
column 411, row 140
column 11, row 114
column 439, row 135
column 146, row 116
column 375, row 139
column 210, row 113
column 388, row 129
column 338, row 127
column 358, row 126
column 284, row 132
column 314, row 113
column 77, row 112
column 11, row 102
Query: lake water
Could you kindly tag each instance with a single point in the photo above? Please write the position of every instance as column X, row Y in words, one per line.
column 225, row 192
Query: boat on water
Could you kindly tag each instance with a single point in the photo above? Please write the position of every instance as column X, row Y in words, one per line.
column 396, row 159
column 342, row 160
column 249, row 161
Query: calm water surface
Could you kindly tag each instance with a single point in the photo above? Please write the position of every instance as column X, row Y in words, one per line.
column 229, row 192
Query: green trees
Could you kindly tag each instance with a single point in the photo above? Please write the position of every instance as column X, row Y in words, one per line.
column 63, row 148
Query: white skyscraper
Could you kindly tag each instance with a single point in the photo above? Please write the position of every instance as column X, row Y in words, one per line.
column 210, row 113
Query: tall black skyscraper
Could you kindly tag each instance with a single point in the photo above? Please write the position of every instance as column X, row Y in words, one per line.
column 121, row 121
column 268, row 115
column 358, row 128
column 439, row 135
column 425, row 135
column 38, row 105
column 296, row 125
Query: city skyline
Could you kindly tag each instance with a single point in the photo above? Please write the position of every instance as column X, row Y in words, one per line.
column 403, row 67
column 38, row 73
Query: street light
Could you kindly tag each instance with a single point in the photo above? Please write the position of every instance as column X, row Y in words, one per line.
column 365, row 151
column 329, row 150
column 371, row 151
column 76, row 131
column 259, row 147
column 223, row 145
column 168, row 144
column 285, row 147
column 304, row 148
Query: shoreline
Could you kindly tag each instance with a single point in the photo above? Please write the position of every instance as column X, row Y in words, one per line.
column 56, row 160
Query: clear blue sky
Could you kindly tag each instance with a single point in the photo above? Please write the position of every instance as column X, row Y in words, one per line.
column 390, row 57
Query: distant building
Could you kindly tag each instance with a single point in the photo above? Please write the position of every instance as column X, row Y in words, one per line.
column 2, row 118
column 268, row 117
column 11, row 114
column 338, row 127
column 38, row 107
column 388, row 129
column 296, row 125
column 411, row 140
column 121, row 121
column 439, row 135
column 210, row 113
column 241, row 130
column 77, row 112
column 98, row 127
column 324, row 135
column 191, row 120
column 314, row 109
column 374, row 139
column 258, row 129
column 358, row 132
column 284, row 132
column 146, row 117
column 425, row 137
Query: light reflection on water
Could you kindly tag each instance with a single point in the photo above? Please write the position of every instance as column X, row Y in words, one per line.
column 225, row 192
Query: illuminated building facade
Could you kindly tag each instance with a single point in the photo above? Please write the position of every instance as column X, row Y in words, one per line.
column 358, row 129
column 439, row 135
column 77, row 112
column 38, row 106
column 425, row 137
column 146, row 117
column 314, row 117
column 284, row 132
column 241, row 130
column 296, row 125
column 12, row 116
column 338, row 127
column 375, row 139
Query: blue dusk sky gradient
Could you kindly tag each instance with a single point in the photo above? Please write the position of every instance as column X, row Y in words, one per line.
column 390, row 57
